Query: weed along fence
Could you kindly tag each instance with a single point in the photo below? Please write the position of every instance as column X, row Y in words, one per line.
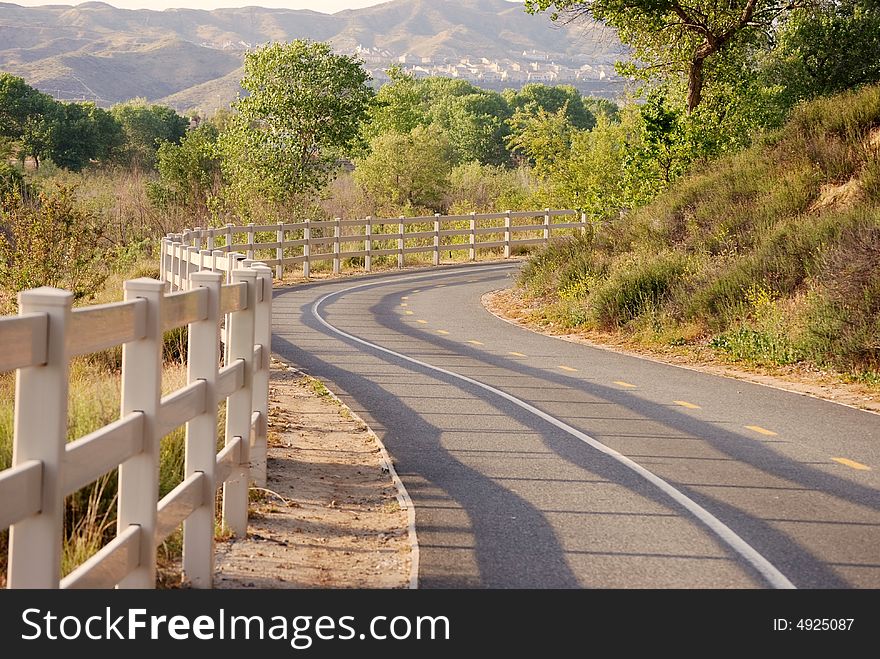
column 39, row 344
column 362, row 242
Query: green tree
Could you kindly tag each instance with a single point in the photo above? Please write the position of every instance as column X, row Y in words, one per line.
column 81, row 133
column 145, row 127
column 405, row 173
column 50, row 241
column 474, row 120
column 534, row 98
column 545, row 139
column 19, row 104
column 827, row 49
column 602, row 107
column 678, row 37
column 189, row 172
column 27, row 117
column 399, row 106
column 303, row 112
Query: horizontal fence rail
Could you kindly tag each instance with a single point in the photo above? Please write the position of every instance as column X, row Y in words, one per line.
column 361, row 242
column 39, row 344
column 214, row 282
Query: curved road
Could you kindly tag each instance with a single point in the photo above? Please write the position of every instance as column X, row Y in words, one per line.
column 538, row 463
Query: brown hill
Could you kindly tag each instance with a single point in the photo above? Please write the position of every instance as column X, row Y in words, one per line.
column 190, row 57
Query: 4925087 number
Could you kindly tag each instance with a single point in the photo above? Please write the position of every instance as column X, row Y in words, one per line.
column 814, row 624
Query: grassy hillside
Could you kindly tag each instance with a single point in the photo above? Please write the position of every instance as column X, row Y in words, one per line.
column 769, row 257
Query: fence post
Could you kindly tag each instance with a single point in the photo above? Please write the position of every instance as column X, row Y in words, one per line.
column 307, row 250
column 184, row 265
column 197, row 241
column 337, row 230
column 583, row 223
column 201, row 434
column 181, row 272
column 238, row 406
column 279, row 252
column 40, row 434
column 546, row 226
column 229, row 237
column 507, row 235
column 162, row 248
column 175, row 265
column 263, row 337
column 233, row 261
column 252, row 237
column 368, row 244
column 141, row 392
column 216, row 254
column 191, row 254
column 436, row 238
column 168, row 264
column 401, row 244
column 472, row 238
column 210, row 240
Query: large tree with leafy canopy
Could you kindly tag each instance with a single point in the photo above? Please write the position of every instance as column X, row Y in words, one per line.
column 678, row 35
column 303, row 112
column 826, row 49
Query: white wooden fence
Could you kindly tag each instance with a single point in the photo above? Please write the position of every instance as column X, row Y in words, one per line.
column 207, row 284
column 39, row 344
column 283, row 245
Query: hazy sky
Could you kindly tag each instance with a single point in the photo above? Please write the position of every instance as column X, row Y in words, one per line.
column 326, row 6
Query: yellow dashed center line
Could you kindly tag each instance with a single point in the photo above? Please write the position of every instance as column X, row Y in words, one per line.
column 443, row 332
column 517, row 354
column 569, row 369
column 404, row 298
column 626, row 385
column 418, row 290
column 762, row 431
column 404, row 304
column 852, row 463
column 684, row 403
column 476, row 343
column 422, row 322
column 410, row 313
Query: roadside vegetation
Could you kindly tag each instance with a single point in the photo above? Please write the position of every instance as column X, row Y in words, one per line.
column 737, row 207
column 770, row 257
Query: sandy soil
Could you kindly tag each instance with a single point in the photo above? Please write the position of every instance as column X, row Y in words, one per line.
column 331, row 516
column 508, row 306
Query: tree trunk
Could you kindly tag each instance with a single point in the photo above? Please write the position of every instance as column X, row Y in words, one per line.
column 695, row 83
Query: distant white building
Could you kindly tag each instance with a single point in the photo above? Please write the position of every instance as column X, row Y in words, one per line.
column 543, row 76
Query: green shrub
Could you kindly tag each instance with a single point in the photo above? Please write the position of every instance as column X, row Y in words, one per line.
column 50, row 241
column 636, row 286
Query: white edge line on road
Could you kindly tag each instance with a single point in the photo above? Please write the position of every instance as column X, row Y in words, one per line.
column 764, row 567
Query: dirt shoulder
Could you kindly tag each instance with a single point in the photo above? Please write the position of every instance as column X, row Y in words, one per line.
column 508, row 306
column 331, row 515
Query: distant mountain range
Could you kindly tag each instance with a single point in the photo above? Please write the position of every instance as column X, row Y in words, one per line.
column 192, row 59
